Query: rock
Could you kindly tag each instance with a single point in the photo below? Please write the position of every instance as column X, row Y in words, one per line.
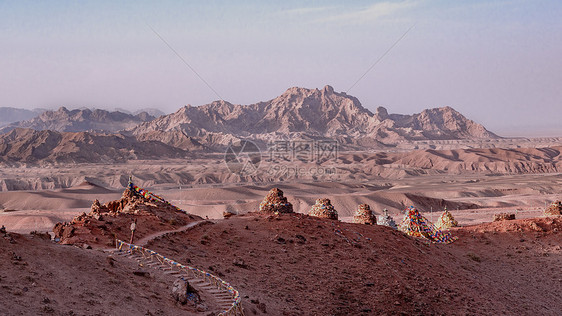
column 280, row 240
column 58, row 229
column 202, row 308
column 323, row 209
column 504, row 217
column 96, row 206
column 554, row 209
column 15, row 257
column 300, row 239
column 105, row 221
column 86, row 246
column 68, row 232
column 110, row 260
column 141, row 273
column 37, row 234
column 63, row 230
column 240, row 263
column 184, row 293
column 227, row 214
column 364, row 215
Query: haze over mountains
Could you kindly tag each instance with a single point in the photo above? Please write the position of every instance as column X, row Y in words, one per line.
column 297, row 114
column 9, row 115
column 79, row 120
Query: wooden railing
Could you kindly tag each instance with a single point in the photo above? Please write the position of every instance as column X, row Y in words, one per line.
column 150, row 255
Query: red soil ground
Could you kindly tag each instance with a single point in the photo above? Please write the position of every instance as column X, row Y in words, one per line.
column 39, row 277
column 293, row 264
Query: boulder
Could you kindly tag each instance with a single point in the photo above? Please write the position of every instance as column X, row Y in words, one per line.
column 504, row 217
column 184, row 293
column 554, row 209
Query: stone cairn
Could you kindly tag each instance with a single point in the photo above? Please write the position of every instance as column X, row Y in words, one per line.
column 386, row 220
column 554, row 209
column 364, row 215
column 275, row 202
column 446, row 221
column 323, row 209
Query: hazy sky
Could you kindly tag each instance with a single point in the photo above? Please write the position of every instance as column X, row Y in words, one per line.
column 497, row 62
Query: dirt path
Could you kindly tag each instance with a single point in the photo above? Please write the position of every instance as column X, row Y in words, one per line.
column 146, row 239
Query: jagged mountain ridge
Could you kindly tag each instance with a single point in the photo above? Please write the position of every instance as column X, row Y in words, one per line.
column 321, row 113
column 64, row 120
column 297, row 114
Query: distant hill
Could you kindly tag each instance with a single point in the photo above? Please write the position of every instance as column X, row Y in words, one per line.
column 64, row 120
column 10, row 115
column 312, row 113
column 31, row 146
column 152, row 111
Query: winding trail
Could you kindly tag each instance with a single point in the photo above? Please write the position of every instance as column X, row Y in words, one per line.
column 145, row 240
column 222, row 294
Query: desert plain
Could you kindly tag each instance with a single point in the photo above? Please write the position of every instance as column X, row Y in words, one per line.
column 471, row 183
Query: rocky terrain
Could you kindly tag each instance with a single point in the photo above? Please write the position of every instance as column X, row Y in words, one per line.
column 79, row 120
column 112, row 157
column 110, row 220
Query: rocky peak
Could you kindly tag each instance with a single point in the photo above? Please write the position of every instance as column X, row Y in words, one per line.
column 381, row 113
column 328, row 90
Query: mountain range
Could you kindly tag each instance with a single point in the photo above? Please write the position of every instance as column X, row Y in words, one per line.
column 79, row 120
column 297, row 114
column 311, row 113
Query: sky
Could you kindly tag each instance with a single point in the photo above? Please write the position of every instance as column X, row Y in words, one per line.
column 496, row 62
